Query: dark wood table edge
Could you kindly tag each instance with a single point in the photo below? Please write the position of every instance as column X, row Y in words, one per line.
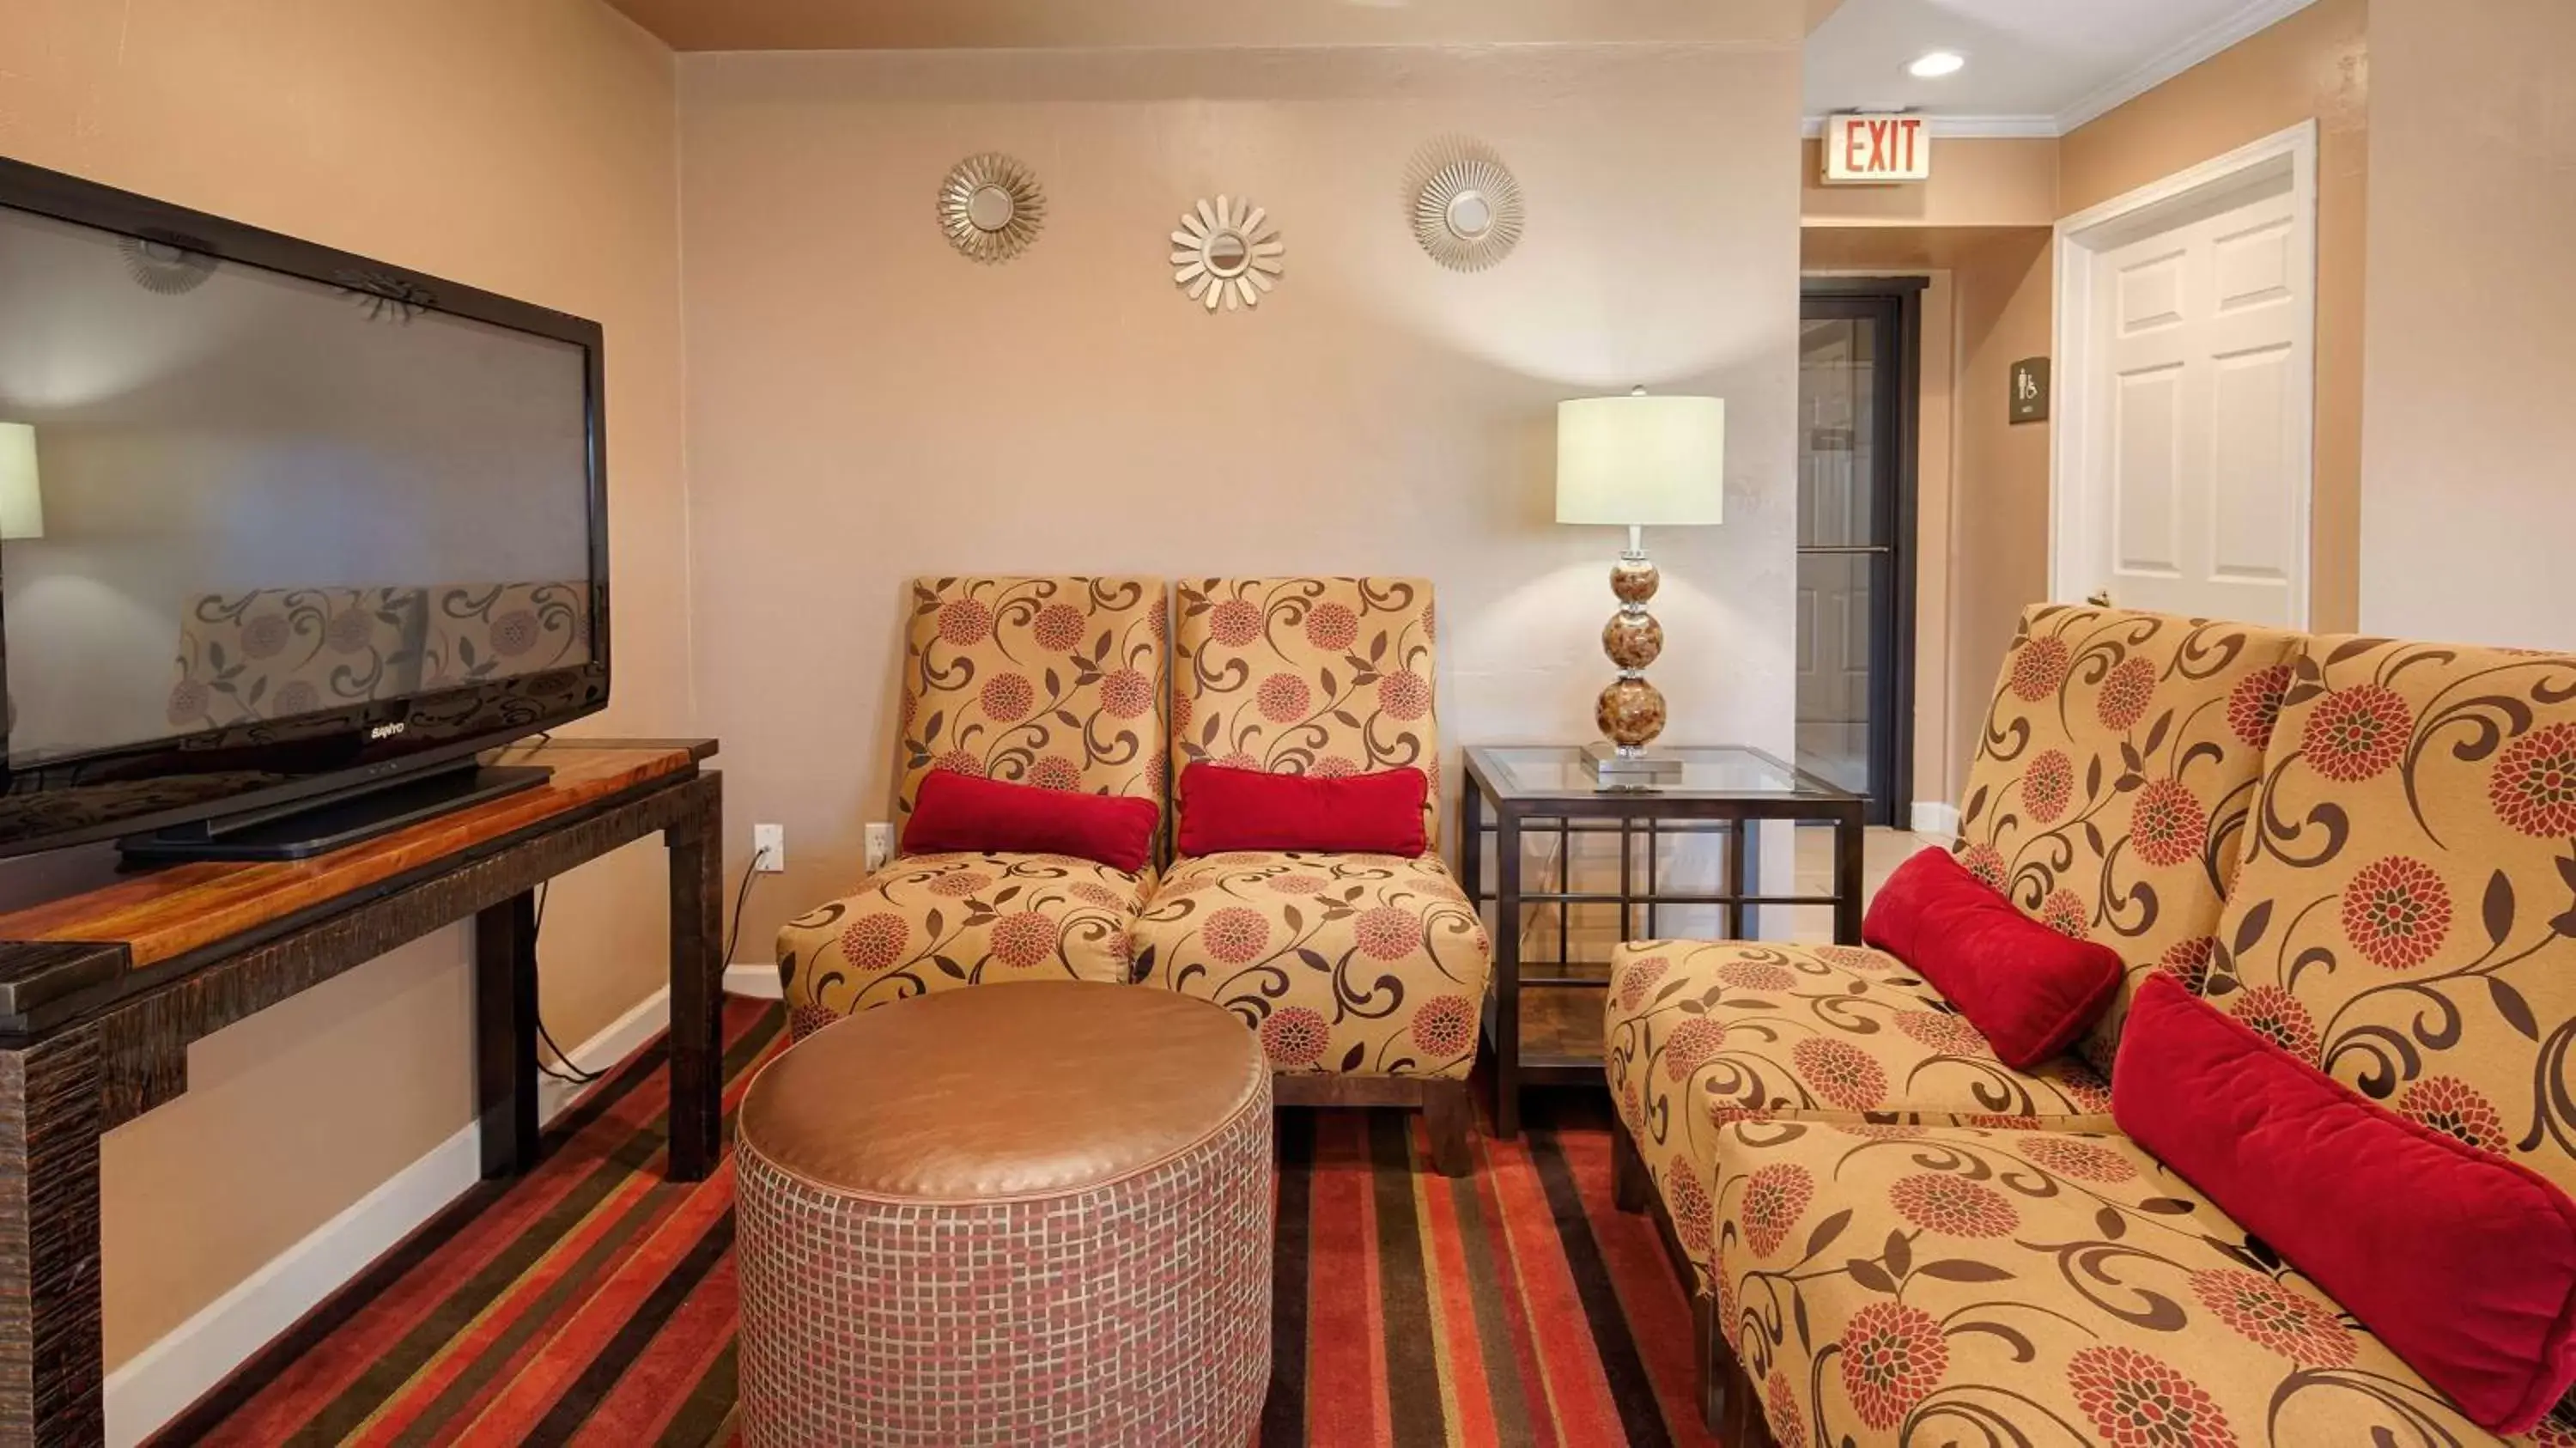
column 63, row 1085
column 1840, row 808
column 46, row 1015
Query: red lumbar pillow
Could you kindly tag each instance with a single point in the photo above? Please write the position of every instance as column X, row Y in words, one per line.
column 2462, row 1262
column 953, row 811
column 2031, row 990
column 1249, row 809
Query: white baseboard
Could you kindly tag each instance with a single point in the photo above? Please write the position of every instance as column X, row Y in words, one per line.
column 1936, row 818
column 757, row 979
column 158, row 1383
column 650, row 1017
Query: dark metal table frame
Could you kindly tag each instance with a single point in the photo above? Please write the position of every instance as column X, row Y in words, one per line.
column 63, row 1085
column 1629, row 813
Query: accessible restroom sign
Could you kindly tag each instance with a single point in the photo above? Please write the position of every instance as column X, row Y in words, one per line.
column 1866, row 147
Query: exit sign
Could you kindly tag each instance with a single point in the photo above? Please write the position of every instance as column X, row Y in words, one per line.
column 1865, row 148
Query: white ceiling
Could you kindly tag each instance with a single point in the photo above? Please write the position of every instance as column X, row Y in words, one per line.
column 2035, row 67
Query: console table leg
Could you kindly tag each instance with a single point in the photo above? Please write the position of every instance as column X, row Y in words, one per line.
column 697, row 988
column 505, row 1033
column 51, row 1375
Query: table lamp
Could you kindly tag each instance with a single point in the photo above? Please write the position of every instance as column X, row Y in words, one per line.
column 22, row 503
column 1634, row 461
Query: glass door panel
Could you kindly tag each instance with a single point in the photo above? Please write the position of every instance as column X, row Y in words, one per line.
column 1850, row 407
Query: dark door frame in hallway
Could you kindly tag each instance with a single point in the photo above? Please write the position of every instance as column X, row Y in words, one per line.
column 1896, row 303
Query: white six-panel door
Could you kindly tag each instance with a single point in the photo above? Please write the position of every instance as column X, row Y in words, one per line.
column 2183, row 462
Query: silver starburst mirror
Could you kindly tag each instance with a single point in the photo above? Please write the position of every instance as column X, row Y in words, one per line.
column 991, row 207
column 1466, row 207
column 1223, row 257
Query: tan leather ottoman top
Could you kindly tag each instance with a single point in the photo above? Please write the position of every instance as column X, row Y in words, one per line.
column 1030, row 1089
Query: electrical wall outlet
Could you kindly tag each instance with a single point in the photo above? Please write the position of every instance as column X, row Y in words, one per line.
column 880, row 845
column 769, row 848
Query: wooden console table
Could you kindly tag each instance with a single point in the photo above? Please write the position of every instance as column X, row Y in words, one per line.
column 100, row 994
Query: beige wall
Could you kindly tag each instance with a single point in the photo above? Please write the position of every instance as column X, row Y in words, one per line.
column 865, row 405
column 2317, row 63
column 2466, row 502
column 2001, row 504
column 525, row 146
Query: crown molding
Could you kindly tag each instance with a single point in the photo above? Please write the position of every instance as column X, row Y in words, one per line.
column 2254, row 18
column 1964, row 128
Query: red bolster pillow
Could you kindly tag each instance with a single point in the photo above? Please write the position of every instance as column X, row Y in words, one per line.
column 2031, row 990
column 2462, row 1262
column 1249, row 809
column 955, row 811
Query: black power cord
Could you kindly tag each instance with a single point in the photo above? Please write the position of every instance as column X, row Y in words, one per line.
column 742, row 897
column 565, row 1070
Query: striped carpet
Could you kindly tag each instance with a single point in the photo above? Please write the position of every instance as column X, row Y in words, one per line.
column 593, row 1303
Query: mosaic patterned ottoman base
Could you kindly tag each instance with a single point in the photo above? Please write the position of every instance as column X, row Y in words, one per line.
column 1037, row 1215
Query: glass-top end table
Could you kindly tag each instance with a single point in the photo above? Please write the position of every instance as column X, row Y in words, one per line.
column 1705, row 770
column 1544, row 1024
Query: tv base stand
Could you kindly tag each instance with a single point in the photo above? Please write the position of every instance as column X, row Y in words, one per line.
column 317, row 827
column 101, row 993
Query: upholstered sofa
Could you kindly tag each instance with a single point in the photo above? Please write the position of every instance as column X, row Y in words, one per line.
column 2359, row 848
column 1365, row 975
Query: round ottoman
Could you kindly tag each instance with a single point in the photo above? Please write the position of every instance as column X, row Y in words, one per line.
column 1027, row 1213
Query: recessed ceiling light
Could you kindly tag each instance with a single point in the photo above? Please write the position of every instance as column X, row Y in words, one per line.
column 1936, row 63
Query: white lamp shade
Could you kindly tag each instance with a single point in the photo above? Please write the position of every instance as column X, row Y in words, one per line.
column 1636, row 460
column 22, row 503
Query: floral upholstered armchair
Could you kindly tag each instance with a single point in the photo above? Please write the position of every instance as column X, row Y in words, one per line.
column 1054, row 682
column 1365, row 975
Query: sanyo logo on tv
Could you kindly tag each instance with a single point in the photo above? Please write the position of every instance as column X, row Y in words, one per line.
column 387, row 731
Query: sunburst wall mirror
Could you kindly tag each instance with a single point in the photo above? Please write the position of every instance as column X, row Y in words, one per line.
column 991, row 207
column 1466, row 206
column 1222, row 256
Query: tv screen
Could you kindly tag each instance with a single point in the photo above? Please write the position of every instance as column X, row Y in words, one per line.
column 270, row 511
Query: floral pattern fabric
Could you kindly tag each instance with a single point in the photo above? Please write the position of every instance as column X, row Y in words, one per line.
column 2405, row 917
column 2112, row 779
column 1055, row 682
column 1346, row 963
column 275, row 652
column 1895, row 1284
column 479, row 631
column 1320, row 676
column 1699, row 1035
column 943, row 922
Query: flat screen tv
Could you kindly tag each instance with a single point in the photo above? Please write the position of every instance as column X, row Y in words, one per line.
column 287, row 536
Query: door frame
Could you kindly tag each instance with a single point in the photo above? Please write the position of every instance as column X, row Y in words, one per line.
column 2077, row 536
column 1898, row 408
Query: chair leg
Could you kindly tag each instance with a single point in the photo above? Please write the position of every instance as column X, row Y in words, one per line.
column 1630, row 1183
column 1728, row 1405
column 1708, row 1332
column 1449, row 1114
